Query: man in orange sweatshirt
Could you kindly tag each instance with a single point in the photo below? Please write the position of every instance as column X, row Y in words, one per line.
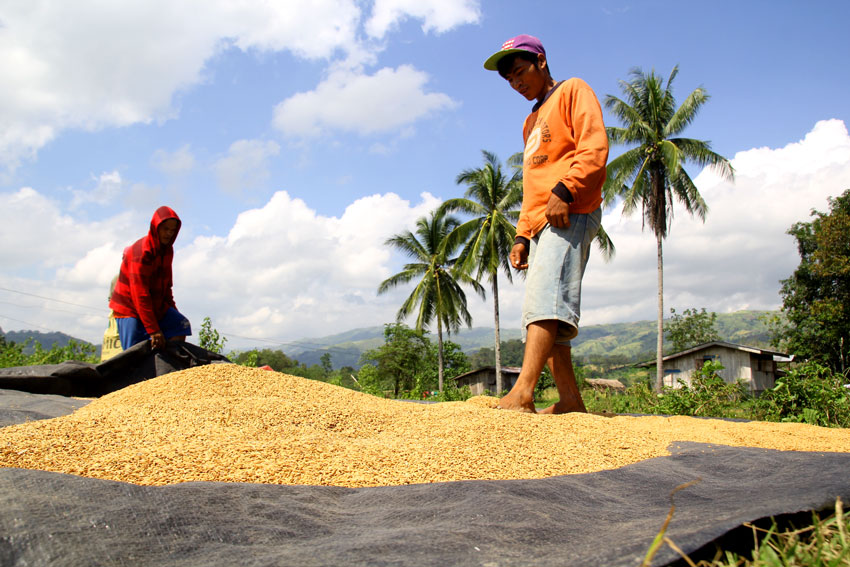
column 566, row 149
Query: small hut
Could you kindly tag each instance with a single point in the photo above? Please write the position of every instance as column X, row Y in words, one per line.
column 483, row 379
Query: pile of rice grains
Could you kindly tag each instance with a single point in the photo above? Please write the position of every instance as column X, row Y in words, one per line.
column 230, row 423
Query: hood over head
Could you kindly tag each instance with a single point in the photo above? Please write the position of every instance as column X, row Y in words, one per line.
column 161, row 215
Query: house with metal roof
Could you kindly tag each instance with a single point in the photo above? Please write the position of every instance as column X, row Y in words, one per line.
column 755, row 367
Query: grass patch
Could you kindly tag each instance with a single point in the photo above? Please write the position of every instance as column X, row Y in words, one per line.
column 823, row 542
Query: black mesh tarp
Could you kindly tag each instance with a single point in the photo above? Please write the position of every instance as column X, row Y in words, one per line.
column 607, row 518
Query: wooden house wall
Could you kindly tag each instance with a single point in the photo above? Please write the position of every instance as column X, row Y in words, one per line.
column 756, row 372
column 485, row 380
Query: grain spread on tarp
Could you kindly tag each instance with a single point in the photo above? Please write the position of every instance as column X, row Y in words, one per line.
column 229, row 423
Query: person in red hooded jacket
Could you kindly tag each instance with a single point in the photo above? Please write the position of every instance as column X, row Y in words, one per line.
column 142, row 300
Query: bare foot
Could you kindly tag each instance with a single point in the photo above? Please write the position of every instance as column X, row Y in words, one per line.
column 563, row 407
column 515, row 402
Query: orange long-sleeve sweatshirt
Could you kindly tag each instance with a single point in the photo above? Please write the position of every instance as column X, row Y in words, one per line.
column 565, row 141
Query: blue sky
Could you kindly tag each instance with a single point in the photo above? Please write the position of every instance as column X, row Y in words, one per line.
column 294, row 139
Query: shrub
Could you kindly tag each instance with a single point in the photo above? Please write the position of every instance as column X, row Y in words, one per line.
column 638, row 398
column 810, row 393
column 12, row 354
column 707, row 395
column 451, row 393
column 209, row 338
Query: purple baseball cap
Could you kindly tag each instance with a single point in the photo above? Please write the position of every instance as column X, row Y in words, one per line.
column 516, row 44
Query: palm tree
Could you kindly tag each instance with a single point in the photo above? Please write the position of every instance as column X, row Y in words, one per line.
column 437, row 293
column 491, row 199
column 652, row 173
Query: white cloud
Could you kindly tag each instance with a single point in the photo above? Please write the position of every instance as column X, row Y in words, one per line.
column 283, row 271
column 436, row 15
column 245, row 166
column 49, row 253
column 736, row 258
column 177, row 162
column 389, row 100
column 108, row 189
column 111, row 189
column 88, row 65
column 40, row 235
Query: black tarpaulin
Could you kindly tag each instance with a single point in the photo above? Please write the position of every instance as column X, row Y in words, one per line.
column 20, row 407
column 607, row 518
column 82, row 379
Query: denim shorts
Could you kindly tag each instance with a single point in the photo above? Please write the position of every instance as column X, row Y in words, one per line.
column 556, row 263
column 172, row 324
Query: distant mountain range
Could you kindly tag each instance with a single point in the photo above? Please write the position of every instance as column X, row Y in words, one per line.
column 628, row 342
column 47, row 340
column 625, row 341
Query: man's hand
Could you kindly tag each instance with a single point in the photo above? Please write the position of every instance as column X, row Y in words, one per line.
column 157, row 340
column 558, row 212
column 519, row 256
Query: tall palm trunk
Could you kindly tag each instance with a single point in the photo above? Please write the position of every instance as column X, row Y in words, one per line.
column 659, row 354
column 439, row 355
column 499, row 382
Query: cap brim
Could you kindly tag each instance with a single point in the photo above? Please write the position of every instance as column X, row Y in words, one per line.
column 492, row 64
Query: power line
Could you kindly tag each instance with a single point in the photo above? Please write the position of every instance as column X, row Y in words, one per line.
column 305, row 346
column 100, row 309
column 48, row 309
column 28, row 323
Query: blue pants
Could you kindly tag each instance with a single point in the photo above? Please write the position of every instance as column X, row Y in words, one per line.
column 172, row 324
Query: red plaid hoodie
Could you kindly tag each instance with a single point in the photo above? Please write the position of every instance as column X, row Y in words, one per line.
column 143, row 289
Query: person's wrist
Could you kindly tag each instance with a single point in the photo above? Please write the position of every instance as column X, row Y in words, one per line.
column 560, row 190
column 522, row 240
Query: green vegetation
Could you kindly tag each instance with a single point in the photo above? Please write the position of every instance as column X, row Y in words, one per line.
column 606, row 346
column 655, row 168
column 808, row 393
column 816, row 298
column 811, row 393
column 209, row 338
column 511, row 354
column 691, row 328
column 32, row 353
column 277, row 360
column 822, row 542
column 406, row 365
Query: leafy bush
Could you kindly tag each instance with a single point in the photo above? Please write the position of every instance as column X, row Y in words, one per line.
column 451, row 393
column 707, row 395
column 691, row 328
column 209, row 338
column 12, row 354
column 810, row 393
column 369, row 381
column 638, row 398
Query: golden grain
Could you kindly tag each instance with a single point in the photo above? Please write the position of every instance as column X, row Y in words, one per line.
column 229, row 423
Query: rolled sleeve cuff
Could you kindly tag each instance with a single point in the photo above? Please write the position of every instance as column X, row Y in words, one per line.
column 563, row 193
